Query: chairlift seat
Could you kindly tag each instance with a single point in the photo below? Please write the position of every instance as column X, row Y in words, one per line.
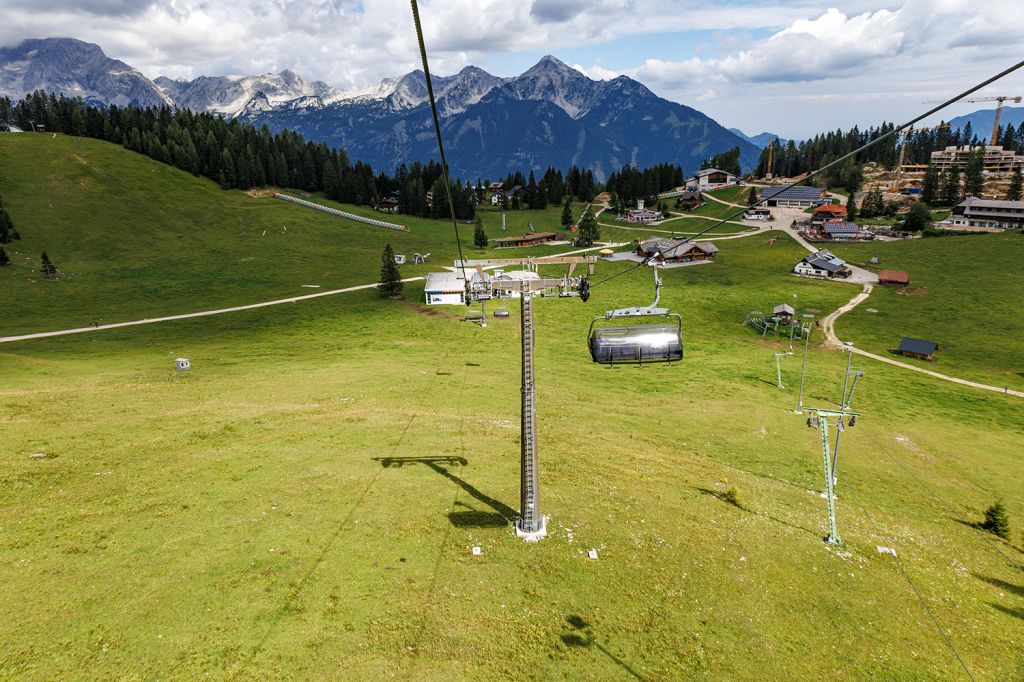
column 636, row 343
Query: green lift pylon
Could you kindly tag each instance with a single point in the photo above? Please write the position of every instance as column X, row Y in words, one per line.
column 819, row 419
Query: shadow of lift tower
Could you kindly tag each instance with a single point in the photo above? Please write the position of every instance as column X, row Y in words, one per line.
column 531, row 524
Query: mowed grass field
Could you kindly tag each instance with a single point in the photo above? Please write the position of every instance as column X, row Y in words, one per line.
column 957, row 297
column 303, row 504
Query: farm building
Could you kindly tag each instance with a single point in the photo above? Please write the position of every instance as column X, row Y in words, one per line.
column 757, row 213
column 978, row 213
column 690, row 199
column 898, row 278
column 823, row 264
column 532, row 239
column 712, row 178
column 784, row 312
column 676, row 251
column 916, row 348
column 826, row 212
column 800, row 196
column 445, row 288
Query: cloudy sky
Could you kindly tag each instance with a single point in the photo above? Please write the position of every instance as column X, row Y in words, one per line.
column 793, row 68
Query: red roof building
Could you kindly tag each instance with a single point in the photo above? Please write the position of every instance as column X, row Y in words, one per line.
column 894, row 277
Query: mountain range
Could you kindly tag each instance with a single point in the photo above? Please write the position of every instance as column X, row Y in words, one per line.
column 549, row 115
column 982, row 120
column 760, row 140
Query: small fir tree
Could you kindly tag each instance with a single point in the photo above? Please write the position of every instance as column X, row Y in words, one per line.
column 1013, row 194
column 390, row 279
column 997, row 520
column 588, row 231
column 873, row 204
column 4, row 259
column 752, row 196
column 47, row 268
column 479, row 236
column 567, row 213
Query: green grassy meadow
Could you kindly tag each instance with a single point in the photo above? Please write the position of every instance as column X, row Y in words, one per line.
column 303, row 503
column 957, row 297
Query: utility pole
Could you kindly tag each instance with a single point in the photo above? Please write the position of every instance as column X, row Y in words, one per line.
column 531, row 524
column 844, row 405
column 820, row 419
column 807, row 330
column 778, row 367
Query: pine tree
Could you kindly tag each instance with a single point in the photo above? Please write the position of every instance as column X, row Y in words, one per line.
column 479, row 236
column 567, row 212
column 973, row 180
column 752, row 196
column 7, row 231
column 930, row 189
column 390, row 279
column 4, row 260
column 997, row 521
column 47, row 268
column 78, row 122
column 951, row 188
column 873, row 204
column 1013, row 194
column 588, row 230
column 918, row 218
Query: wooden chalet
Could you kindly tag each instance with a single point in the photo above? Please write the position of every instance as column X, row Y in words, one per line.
column 828, row 212
column 690, row 199
column 532, row 239
column 676, row 250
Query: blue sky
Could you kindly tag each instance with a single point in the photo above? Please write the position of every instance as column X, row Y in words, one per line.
column 793, row 68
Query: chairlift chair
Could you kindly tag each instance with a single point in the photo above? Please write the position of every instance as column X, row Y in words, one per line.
column 637, row 343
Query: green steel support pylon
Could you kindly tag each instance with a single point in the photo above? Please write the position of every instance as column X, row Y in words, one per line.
column 820, row 418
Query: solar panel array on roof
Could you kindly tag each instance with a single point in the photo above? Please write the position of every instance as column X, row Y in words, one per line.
column 842, row 228
column 798, row 192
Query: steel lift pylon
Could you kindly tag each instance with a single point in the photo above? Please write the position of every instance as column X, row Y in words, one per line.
column 531, row 524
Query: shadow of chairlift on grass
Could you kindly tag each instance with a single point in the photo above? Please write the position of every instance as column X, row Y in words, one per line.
column 470, row 518
column 582, row 636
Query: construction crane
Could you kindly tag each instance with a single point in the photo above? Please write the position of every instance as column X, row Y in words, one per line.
column 531, row 524
column 903, row 152
column 999, row 111
column 771, row 147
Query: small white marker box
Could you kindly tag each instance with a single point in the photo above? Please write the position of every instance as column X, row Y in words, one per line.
column 477, row 551
column 592, row 553
column 182, row 364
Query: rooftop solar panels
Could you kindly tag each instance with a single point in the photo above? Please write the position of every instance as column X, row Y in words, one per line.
column 799, row 192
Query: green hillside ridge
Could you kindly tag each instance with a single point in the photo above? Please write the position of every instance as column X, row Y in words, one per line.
column 238, row 520
column 134, row 238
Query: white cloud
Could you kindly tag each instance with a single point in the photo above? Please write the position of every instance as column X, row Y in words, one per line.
column 597, row 72
column 819, row 68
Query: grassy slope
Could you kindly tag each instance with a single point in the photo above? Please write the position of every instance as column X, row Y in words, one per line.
column 236, row 521
column 958, row 297
column 174, row 243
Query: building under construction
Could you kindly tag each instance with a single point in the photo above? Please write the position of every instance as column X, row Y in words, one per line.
column 996, row 158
